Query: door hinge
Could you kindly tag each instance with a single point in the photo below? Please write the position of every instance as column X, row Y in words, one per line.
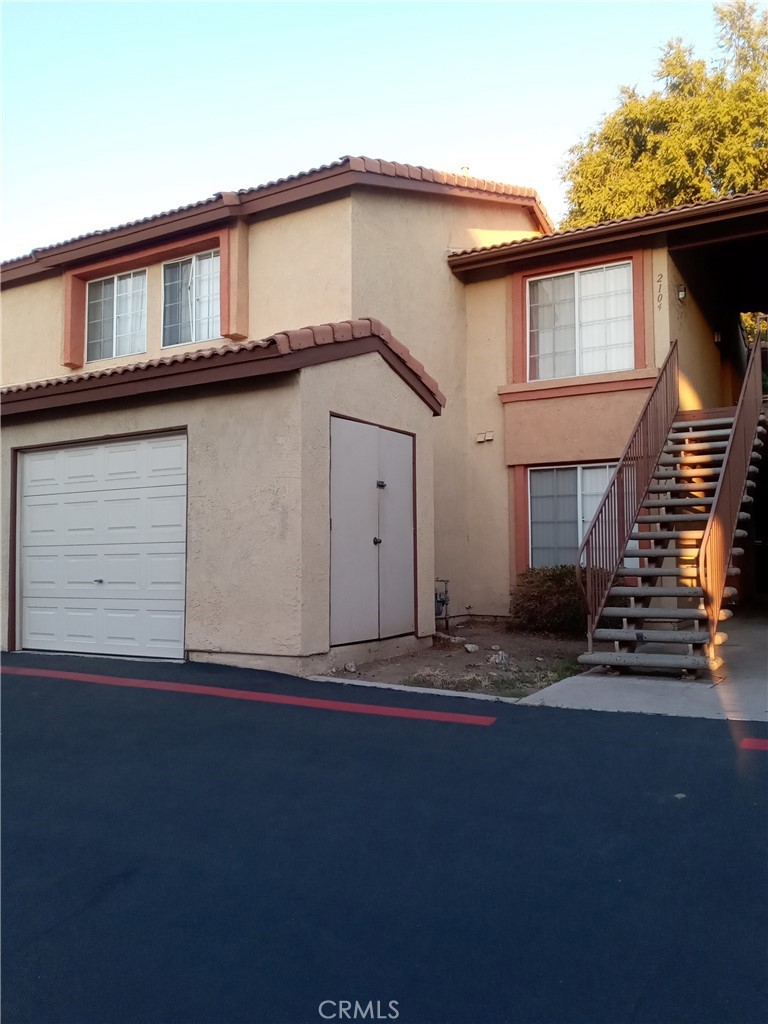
column 380, row 483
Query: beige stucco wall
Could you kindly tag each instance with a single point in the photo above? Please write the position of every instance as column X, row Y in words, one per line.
column 701, row 371
column 700, row 365
column 299, row 274
column 579, row 428
column 363, row 388
column 488, row 582
column 258, row 543
column 400, row 274
column 32, row 331
column 300, row 268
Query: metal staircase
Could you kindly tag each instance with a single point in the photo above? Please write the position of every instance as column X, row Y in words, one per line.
column 656, row 562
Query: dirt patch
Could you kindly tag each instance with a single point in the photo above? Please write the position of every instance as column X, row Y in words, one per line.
column 505, row 664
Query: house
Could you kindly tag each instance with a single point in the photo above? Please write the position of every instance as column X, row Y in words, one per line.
column 189, row 471
column 517, row 361
column 624, row 346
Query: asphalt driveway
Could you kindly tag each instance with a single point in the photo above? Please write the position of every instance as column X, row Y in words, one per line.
column 194, row 856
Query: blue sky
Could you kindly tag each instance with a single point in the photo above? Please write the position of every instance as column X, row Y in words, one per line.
column 112, row 111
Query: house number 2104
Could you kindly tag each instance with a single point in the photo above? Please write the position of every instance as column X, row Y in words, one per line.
column 659, row 293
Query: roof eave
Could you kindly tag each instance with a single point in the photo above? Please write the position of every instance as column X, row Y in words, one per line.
column 265, row 201
column 657, row 227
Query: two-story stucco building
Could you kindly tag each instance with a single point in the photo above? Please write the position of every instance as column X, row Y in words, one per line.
column 456, row 412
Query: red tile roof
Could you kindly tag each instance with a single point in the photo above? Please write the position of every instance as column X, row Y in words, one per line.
column 282, row 344
column 657, row 219
column 455, row 183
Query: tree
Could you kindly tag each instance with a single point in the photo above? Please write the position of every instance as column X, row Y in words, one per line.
column 703, row 135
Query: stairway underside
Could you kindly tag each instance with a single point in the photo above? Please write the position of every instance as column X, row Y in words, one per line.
column 655, row 619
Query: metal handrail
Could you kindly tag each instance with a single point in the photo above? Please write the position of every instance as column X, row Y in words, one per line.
column 715, row 550
column 606, row 538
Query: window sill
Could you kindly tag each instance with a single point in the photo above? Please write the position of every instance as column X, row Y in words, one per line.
column 189, row 344
column 112, row 359
column 592, row 384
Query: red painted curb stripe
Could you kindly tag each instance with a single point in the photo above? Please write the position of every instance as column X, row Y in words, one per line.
column 264, row 698
column 752, row 743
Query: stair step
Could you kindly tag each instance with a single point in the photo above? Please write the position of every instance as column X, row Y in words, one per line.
column 695, row 447
column 667, row 472
column 676, row 503
column 691, row 552
column 672, row 517
column 660, row 636
column 708, row 485
column 656, row 592
column 654, row 613
column 665, row 535
column 715, row 422
column 640, row 660
column 663, row 614
column 689, row 571
column 717, row 433
column 716, row 459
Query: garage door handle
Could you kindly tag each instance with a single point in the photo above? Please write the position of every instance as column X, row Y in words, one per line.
column 377, row 540
column 98, row 581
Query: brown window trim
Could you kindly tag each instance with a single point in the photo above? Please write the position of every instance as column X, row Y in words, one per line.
column 232, row 244
column 517, row 342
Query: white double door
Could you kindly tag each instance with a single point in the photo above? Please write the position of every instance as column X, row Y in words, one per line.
column 102, row 547
column 372, row 532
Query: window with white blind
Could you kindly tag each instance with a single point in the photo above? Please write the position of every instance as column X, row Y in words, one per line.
column 116, row 316
column 191, row 299
column 580, row 323
column 563, row 500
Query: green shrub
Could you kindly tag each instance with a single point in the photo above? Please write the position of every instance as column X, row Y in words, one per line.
column 549, row 601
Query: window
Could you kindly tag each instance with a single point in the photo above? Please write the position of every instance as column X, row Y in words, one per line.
column 580, row 323
column 117, row 316
column 563, row 502
column 191, row 300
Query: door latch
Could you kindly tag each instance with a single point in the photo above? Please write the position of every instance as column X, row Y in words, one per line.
column 98, row 581
column 377, row 540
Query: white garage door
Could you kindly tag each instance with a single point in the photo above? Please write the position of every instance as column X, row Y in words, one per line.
column 103, row 542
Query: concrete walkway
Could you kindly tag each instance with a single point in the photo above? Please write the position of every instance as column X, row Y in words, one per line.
column 737, row 691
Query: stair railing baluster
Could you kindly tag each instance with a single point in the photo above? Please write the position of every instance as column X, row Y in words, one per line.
column 715, row 551
column 606, row 537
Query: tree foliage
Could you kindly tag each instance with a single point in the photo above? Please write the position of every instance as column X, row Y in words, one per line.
column 702, row 135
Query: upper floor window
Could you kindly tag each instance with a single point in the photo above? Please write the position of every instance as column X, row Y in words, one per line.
column 117, row 316
column 191, row 299
column 580, row 323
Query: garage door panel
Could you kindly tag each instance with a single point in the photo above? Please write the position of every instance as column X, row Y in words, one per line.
column 113, row 466
column 103, row 548
column 166, row 459
column 82, row 467
column 40, row 469
column 166, row 516
column 42, row 572
column 130, row 628
column 147, row 515
column 80, row 520
column 127, row 571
